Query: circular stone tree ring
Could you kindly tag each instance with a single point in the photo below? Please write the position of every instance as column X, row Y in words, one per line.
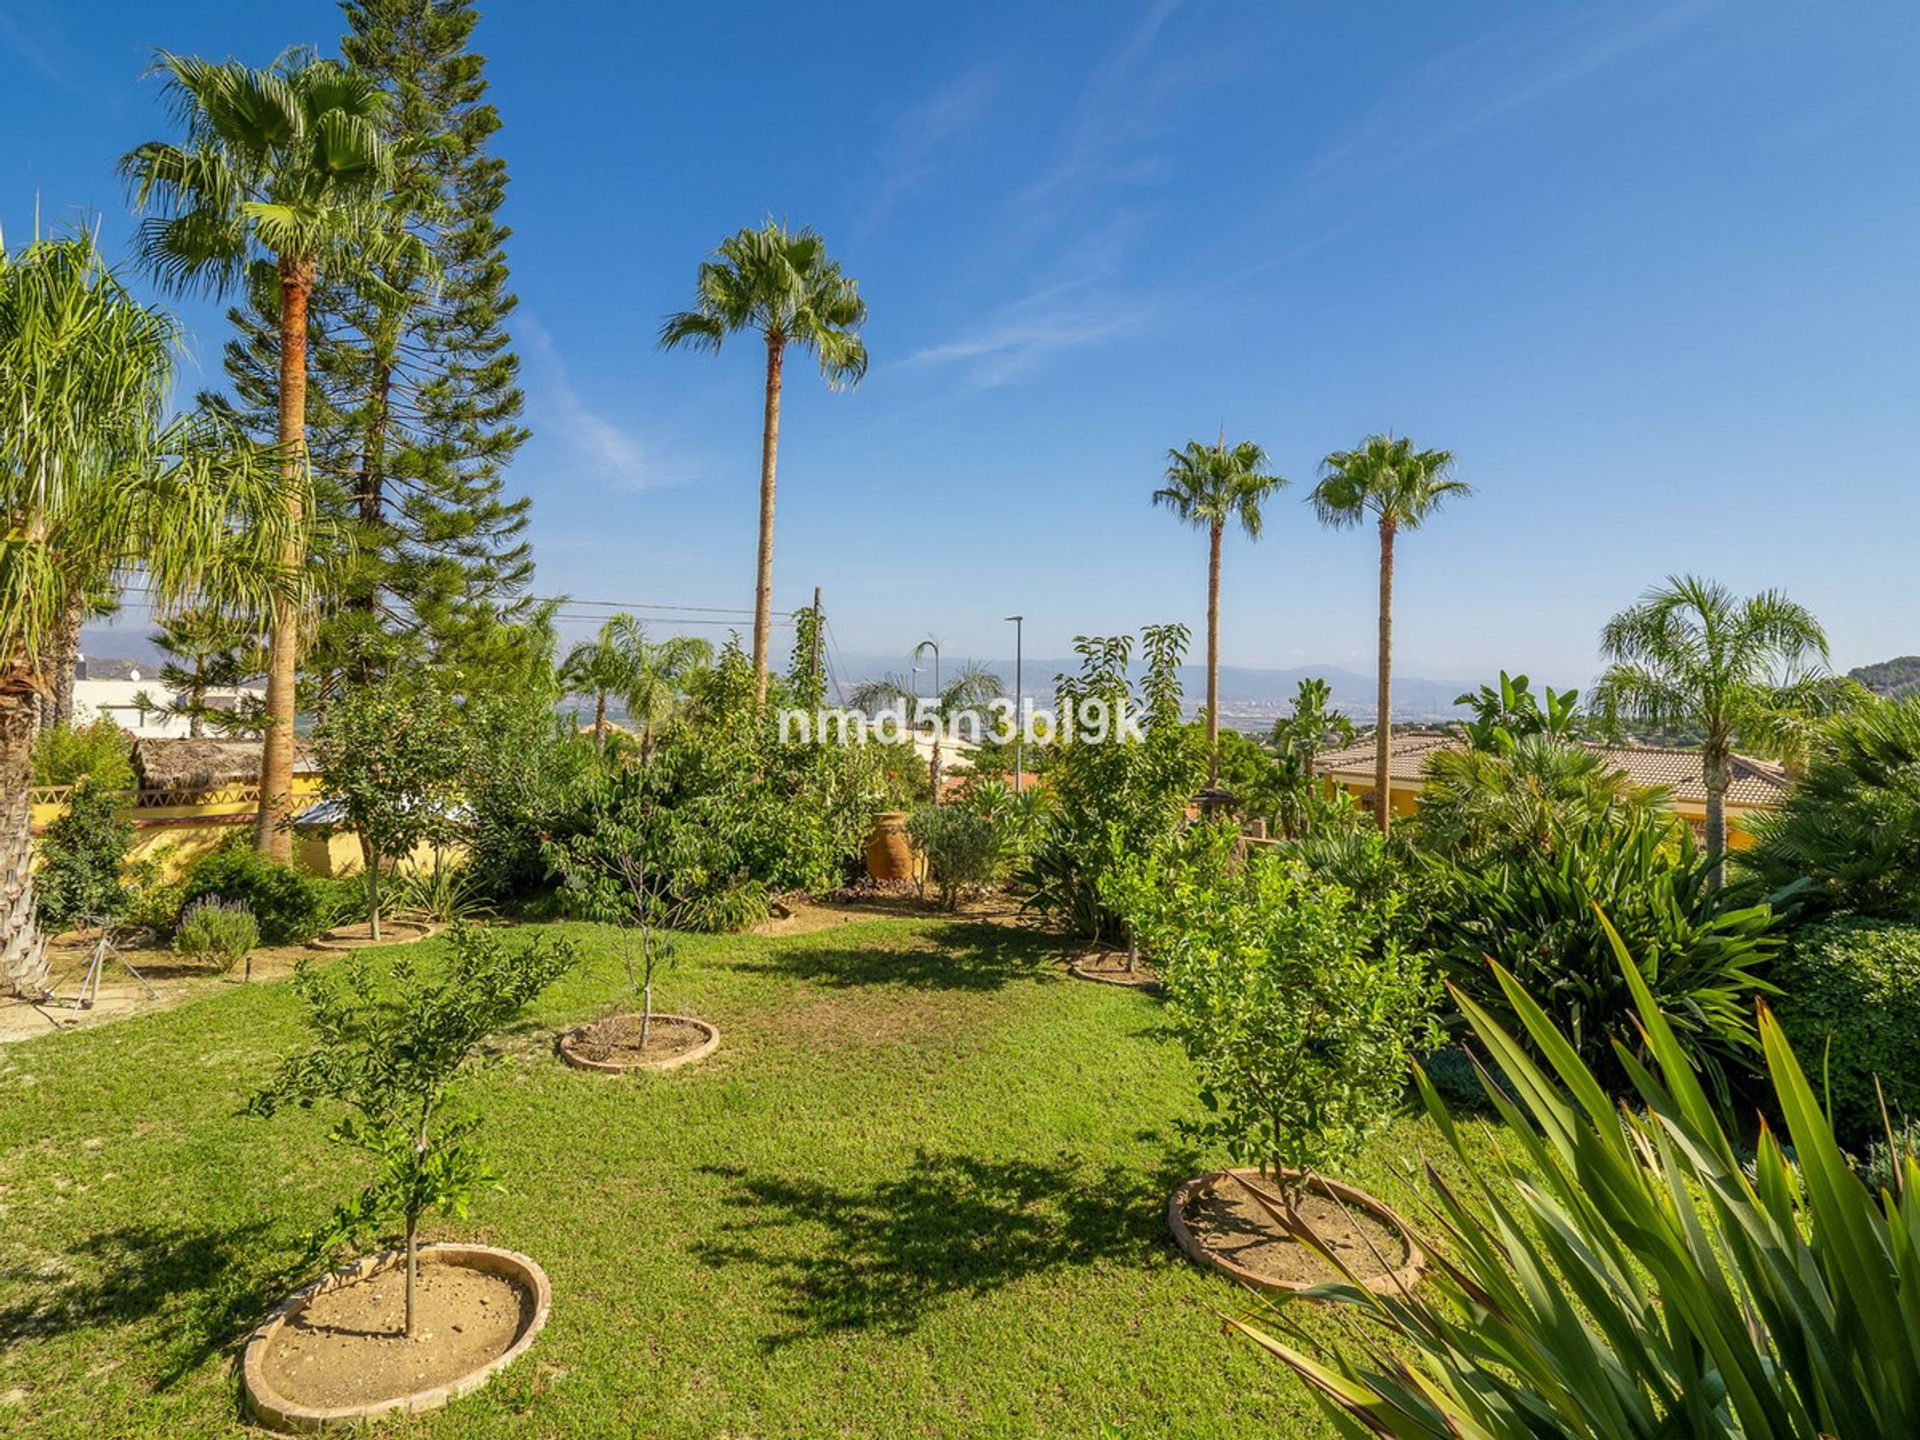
column 323, row 1395
column 1235, row 1235
column 610, row 1046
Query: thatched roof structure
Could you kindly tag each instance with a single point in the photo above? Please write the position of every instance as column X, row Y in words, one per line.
column 204, row 764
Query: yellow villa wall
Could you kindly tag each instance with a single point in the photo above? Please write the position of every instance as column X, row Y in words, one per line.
column 175, row 828
column 1405, row 799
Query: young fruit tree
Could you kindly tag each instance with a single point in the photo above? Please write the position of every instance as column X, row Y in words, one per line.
column 1296, row 1002
column 608, row 878
column 393, row 1054
column 395, row 760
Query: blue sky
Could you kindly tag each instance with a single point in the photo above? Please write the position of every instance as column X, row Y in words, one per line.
column 1649, row 270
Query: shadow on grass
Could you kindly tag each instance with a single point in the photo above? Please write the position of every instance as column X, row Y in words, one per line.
column 958, row 955
column 879, row 1256
column 197, row 1291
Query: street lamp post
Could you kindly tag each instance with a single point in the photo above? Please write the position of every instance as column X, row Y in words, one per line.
column 1019, row 717
column 933, row 770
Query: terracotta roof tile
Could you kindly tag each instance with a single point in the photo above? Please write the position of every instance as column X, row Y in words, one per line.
column 1756, row 783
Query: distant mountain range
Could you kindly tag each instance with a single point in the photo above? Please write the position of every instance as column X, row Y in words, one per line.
column 1900, row 676
column 1251, row 698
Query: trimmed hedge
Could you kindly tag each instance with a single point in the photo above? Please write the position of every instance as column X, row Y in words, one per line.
column 1850, row 1002
column 289, row 907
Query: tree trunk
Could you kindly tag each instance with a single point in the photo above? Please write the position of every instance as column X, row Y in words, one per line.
column 23, row 949
column 64, row 661
column 600, row 721
column 271, row 836
column 413, row 1267
column 1717, row 772
column 197, row 701
column 769, row 456
column 1383, row 729
column 373, row 894
column 1213, row 657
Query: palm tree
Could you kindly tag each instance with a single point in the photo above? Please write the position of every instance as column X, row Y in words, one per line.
column 601, row 668
column 783, row 285
column 282, row 168
column 971, row 687
column 662, row 675
column 1694, row 658
column 1399, row 487
column 651, row 678
column 95, row 481
column 1210, row 486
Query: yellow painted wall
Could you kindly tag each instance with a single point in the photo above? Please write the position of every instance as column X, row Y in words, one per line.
column 1406, row 799
column 175, row 835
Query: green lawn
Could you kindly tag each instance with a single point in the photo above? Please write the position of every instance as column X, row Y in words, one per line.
column 920, row 1190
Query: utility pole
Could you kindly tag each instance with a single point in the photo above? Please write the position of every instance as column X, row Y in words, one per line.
column 819, row 685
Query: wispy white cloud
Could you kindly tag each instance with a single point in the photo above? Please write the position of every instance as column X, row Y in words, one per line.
column 922, row 135
column 608, row 450
column 1017, row 337
column 1107, row 136
column 1470, row 87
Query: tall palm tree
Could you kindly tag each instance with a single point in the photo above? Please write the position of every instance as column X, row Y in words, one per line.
column 284, row 168
column 972, row 687
column 1694, row 658
column 1398, row 486
column 1209, row 487
column 783, row 285
column 96, row 481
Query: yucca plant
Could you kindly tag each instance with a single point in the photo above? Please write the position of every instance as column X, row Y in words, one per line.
column 1631, row 1276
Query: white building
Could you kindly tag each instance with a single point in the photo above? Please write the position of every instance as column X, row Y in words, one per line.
column 119, row 701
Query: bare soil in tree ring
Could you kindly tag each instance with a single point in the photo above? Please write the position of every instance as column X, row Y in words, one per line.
column 613, row 1044
column 1219, row 1223
column 337, row 1352
column 1109, row 967
column 359, row 934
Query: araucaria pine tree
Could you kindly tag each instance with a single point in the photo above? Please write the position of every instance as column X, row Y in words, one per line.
column 414, row 406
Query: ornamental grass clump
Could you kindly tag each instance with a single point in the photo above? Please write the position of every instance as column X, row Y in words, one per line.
column 1631, row 1274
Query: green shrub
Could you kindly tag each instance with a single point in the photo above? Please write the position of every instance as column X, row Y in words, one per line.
column 1533, row 911
column 1850, row 1001
column 1113, row 798
column 1641, row 1281
column 1296, row 1003
column 965, row 849
column 1848, row 835
column 101, row 752
column 81, row 857
column 290, row 908
column 216, row 932
column 156, row 906
column 727, row 814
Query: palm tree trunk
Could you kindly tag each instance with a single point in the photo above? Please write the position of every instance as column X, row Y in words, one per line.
column 1213, row 657
column 23, row 949
column 600, row 721
column 65, row 660
column 769, row 456
column 1717, row 773
column 1383, row 727
column 271, row 836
